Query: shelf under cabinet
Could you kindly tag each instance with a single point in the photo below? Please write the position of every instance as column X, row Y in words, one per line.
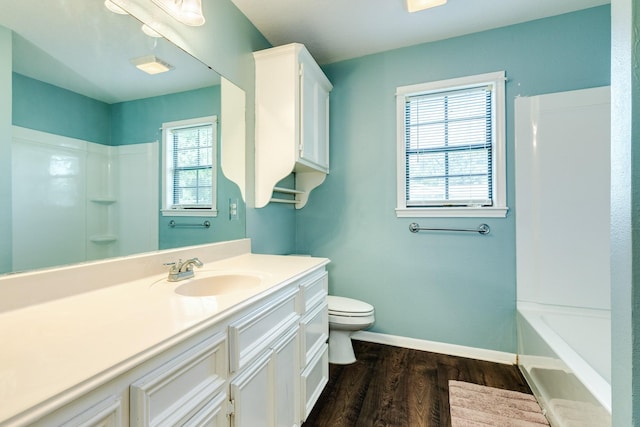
column 104, row 238
column 103, row 200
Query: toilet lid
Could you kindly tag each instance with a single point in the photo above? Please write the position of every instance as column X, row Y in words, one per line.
column 342, row 305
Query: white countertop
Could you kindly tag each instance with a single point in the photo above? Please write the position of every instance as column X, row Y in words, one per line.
column 48, row 349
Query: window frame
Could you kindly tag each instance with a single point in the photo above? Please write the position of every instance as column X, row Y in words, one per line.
column 499, row 207
column 167, row 174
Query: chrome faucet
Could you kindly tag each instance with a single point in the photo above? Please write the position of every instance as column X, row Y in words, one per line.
column 182, row 270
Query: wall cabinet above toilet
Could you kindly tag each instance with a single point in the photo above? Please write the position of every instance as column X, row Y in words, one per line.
column 292, row 122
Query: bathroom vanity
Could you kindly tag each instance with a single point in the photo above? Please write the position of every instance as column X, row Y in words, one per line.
column 243, row 343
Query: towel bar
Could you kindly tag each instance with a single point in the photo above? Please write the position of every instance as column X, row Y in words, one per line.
column 174, row 224
column 482, row 229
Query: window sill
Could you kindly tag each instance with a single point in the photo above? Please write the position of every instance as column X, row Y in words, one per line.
column 453, row 212
column 189, row 212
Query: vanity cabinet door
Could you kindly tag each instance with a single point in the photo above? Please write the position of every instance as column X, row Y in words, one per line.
column 253, row 333
column 314, row 333
column 267, row 392
column 314, row 328
column 314, row 377
column 286, row 381
column 214, row 414
column 251, row 394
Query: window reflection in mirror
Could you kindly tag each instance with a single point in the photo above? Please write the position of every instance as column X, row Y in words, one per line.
column 86, row 132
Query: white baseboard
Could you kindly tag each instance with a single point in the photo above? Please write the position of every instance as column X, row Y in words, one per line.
column 437, row 347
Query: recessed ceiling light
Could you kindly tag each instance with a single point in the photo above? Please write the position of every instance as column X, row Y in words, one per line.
column 189, row 12
column 151, row 64
column 418, row 5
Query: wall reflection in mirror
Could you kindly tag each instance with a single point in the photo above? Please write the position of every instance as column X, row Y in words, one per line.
column 86, row 135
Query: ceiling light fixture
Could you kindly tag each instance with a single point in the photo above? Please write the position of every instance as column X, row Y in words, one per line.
column 418, row 5
column 150, row 31
column 114, row 8
column 189, row 12
column 151, row 64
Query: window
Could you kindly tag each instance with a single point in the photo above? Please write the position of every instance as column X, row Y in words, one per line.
column 189, row 167
column 451, row 155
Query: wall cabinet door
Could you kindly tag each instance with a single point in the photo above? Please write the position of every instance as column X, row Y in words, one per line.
column 314, row 116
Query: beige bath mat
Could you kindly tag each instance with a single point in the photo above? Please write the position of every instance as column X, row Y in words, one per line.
column 476, row 405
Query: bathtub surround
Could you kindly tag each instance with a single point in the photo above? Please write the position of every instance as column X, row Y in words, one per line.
column 456, row 288
column 5, row 146
column 562, row 245
column 563, row 357
column 88, row 191
column 123, row 129
column 625, row 205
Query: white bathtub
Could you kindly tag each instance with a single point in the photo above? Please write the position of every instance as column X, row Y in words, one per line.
column 565, row 355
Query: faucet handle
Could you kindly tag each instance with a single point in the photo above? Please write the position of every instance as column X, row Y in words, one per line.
column 174, row 265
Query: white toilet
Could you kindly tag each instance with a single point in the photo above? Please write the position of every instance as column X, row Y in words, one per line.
column 346, row 316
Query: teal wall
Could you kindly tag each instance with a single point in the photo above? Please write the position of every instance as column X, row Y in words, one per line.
column 226, row 46
column 48, row 108
column 225, row 43
column 276, row 233
column 140, row 121
column 447, row 287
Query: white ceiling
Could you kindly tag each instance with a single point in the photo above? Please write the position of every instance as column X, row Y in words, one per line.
column 334, row 30
column 81, row 46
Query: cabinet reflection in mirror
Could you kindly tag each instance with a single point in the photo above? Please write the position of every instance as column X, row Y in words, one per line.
column 86, row 130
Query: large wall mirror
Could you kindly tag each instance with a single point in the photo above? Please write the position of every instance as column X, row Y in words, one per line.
column 86, row 148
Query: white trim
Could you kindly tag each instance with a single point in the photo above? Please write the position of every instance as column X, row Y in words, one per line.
column 457, row 83
column 189, row 212
column 499, row 208
column 451, row 212
column 438, row 347
column 167, row 178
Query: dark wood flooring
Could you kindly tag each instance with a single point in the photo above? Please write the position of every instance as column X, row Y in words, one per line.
column 398, row 387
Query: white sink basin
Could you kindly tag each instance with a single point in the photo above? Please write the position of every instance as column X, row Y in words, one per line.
column 218, row 284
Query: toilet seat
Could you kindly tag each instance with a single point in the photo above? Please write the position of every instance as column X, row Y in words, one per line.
column 347, row 307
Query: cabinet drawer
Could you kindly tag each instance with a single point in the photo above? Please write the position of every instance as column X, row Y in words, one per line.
column 313, row 290
column 181, row 388
column 314, row 378
column 252, row 334
column 314, row 331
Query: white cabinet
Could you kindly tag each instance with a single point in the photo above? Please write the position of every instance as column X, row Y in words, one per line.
column 183, row 387
column 263, row 365
column 265, row 358
column 292, row 122
column 286, row 366
column 314, row 333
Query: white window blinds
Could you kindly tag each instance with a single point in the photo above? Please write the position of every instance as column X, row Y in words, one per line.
column 192, row 157
column 448, row 147
column 189, row 167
